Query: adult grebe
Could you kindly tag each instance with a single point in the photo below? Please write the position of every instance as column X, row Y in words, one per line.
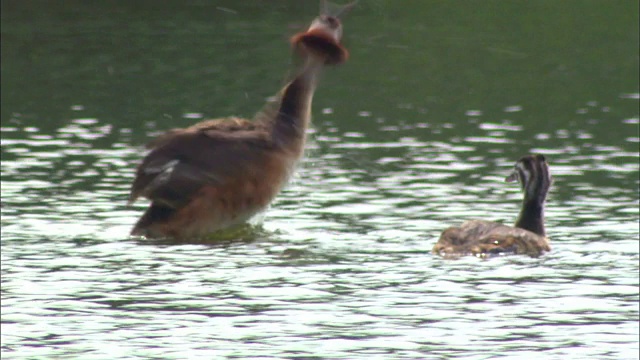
column 220, row 173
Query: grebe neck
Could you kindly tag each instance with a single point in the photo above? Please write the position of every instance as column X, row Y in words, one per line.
column 532, row 216
column 293, row 114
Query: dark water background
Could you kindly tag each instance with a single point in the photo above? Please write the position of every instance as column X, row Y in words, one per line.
column 415, row 133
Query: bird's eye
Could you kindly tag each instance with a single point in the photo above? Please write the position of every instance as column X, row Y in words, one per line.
column 331, row 21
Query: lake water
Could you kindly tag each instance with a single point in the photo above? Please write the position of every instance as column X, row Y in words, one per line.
column 414, row 134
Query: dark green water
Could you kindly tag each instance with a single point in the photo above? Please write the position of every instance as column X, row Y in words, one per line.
column 414, row 134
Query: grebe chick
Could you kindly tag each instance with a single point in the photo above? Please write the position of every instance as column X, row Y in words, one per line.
column 220, row 173
column 485, row 238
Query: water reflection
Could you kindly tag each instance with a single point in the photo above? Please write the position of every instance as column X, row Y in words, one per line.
column 341, row 267
column 344, row 257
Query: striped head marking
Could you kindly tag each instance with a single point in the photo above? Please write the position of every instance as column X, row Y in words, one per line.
column 532, row 171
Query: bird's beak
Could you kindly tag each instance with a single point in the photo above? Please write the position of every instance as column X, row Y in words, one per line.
column 338, row 11
column 512, row 177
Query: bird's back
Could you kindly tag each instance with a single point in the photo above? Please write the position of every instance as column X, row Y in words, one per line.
column 486, row 238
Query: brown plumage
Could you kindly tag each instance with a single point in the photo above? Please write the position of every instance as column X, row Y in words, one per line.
column 220, row 173
column 485, row 238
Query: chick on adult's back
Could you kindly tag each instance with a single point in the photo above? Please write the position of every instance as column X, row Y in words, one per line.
column 528, row 236
column 219, row 173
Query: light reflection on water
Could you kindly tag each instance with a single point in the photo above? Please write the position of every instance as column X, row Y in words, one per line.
column 342, row 268
column 414, row 134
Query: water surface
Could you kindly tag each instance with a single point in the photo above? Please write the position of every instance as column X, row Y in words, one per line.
column 414, row 134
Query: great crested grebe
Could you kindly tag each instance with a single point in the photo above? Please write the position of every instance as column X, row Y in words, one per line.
column 220, row 173
column 485, row 238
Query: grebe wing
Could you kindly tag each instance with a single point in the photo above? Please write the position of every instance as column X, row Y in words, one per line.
column 185, row 160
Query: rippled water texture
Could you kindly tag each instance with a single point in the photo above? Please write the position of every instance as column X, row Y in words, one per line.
column 414, row 134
